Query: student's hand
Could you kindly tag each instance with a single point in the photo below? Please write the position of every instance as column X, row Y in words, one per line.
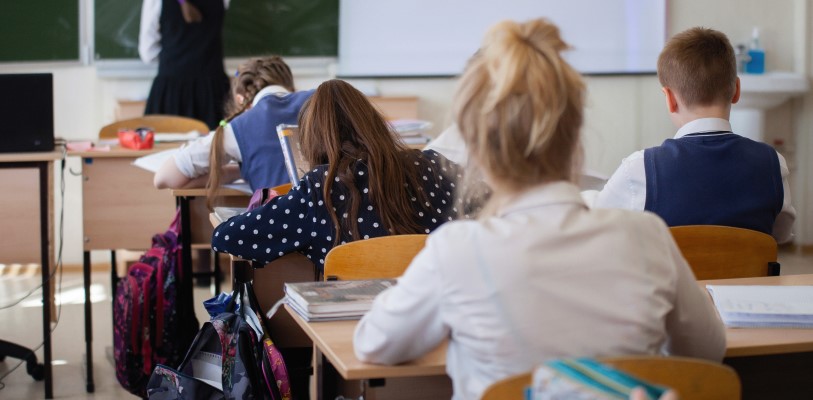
column 639, row 394
column 191, row 14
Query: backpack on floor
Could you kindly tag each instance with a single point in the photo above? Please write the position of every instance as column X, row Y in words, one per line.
column 227, row 360
column 154, row 322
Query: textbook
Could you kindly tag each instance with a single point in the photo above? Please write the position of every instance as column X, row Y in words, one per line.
column 764, row 306
column 334, row 300
column 224, row 213
column 294, row 162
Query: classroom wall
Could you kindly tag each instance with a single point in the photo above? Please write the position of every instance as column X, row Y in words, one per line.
column 624, row 113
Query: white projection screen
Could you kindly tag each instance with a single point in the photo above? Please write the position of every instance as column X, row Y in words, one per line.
column 414, row 38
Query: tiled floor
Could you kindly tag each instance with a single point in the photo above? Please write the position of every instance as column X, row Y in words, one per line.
column 22, row 325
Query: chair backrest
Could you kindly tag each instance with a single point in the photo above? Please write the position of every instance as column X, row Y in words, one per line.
column 722, row 252
column 159, row 124
column 691, row 378
column 381, row 257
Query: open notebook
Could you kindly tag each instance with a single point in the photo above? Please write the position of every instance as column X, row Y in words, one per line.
column 764, row 306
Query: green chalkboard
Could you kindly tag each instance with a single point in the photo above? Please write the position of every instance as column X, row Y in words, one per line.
column 39, row 30
column 253, row 27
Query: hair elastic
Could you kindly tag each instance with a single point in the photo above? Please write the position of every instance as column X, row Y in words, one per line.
column 223, row 122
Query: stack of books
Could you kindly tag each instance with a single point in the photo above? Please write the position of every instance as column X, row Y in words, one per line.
column 334, row 300
column 412, row 131
column 764, row 306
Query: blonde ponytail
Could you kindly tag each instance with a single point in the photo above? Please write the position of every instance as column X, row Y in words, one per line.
column 519, row 106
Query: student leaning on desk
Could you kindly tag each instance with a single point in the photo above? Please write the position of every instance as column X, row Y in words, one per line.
column 538, row 275
column 706, row 174
column 264, row 97
column 364, row 184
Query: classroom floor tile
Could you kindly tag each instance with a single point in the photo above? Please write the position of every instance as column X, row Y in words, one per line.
column 22, row 324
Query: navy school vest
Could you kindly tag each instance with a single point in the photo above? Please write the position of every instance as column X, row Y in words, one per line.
column 191, row 49
column 263, row 164
column 714, row 179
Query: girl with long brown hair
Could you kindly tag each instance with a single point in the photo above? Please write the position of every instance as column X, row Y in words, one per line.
column 246, row 143
column 365, row 183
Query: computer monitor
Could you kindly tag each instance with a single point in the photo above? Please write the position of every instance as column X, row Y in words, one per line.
column 26, row 112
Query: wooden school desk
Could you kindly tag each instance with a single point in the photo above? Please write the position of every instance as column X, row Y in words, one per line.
column 333, row 354
column 121, row 209
column 773, row 363
column 17, row 212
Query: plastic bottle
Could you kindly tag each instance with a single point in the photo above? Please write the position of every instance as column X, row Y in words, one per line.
column 756, row 65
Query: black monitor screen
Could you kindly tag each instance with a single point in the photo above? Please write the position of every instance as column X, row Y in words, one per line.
column 27, row 112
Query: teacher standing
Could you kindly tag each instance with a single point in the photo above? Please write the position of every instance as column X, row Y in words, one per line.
column 185, row 36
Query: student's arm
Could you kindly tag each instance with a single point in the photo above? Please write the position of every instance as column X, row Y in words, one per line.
column 626, row 188
column 693, row 325
column 149, row 35
column 189, row 167
column 170, row 177
column 783, row 225
column 283, row 225
column 405, row 321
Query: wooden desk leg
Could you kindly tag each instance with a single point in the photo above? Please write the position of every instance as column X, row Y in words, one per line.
column 46, row 276
column 90, row 386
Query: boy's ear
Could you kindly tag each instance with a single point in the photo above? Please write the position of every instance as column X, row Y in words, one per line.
column 671, row 100
column 736, row 97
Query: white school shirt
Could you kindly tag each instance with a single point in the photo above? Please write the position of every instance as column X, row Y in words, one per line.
column 450, row 144
column 149, row 34
column 192, row 160
column 627, row 186
column 546, row 277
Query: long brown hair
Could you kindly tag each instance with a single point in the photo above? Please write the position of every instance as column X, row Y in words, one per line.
column 340, row 127
column 252, row 77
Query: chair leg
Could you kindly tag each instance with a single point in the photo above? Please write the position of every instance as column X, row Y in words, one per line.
column 773, row 269
column 35, row 369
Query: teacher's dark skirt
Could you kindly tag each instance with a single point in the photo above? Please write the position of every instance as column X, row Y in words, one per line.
column 199, row 97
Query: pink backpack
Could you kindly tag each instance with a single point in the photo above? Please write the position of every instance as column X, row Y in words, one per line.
column 153, row 321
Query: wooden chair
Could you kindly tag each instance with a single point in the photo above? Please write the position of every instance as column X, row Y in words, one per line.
column 691, row 378
column 381, row 257
column 722, row 252
column 159, row 124
column 282, row 189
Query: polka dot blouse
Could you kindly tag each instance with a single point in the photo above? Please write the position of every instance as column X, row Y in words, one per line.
column 299, row 221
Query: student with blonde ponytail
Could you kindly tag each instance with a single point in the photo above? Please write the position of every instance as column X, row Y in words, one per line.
column 538, row 275
column 264, row 97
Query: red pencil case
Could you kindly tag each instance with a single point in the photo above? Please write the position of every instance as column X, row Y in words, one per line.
column 137, row 139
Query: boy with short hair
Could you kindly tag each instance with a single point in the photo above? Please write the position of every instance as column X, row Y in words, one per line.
column 706, row 174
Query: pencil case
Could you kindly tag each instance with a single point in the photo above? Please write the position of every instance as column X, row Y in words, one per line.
column 137, row 139
column 586, row 379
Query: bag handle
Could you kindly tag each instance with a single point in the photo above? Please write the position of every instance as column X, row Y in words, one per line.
column 175, row 226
